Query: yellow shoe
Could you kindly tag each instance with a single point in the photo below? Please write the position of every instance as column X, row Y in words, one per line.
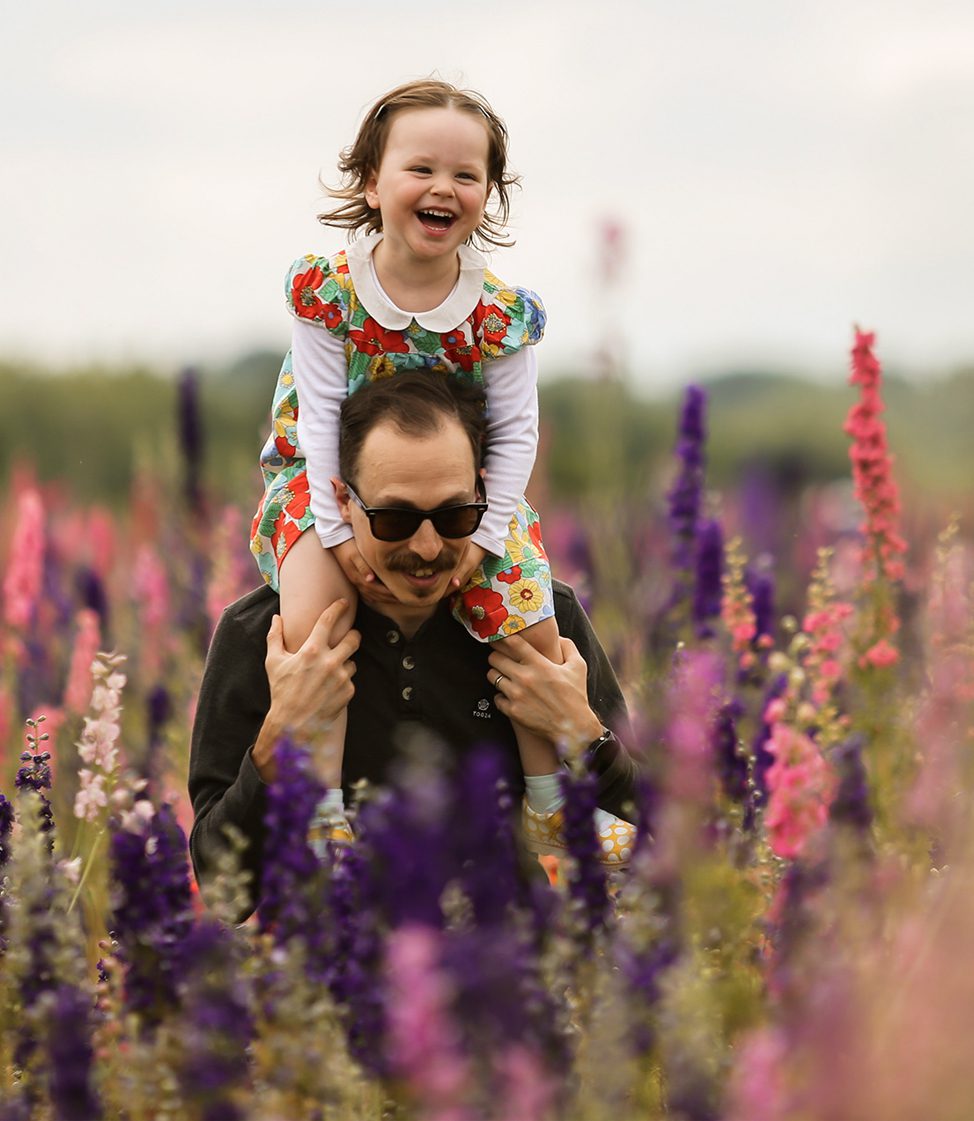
column 323, row 832
column 545, row 833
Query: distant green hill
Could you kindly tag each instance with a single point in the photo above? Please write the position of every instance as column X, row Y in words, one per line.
column 90, row 428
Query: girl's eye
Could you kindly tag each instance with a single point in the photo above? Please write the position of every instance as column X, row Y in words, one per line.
column 467, row 175
column 422, row 170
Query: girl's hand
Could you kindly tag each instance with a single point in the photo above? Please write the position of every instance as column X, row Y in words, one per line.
column 359, row 575
column 472, row 560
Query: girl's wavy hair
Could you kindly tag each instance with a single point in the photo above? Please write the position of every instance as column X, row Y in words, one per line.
column 358, row 161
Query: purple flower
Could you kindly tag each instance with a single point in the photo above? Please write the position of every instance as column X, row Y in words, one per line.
column 71, row 1058
column 6, row 825
column 92, row 594
column 291, row 886
column 707, row 588
column 763, row 759
column 686, row 493
column 217, row 1022
column 158, row 711
column 152, row 911
column 643, row 971
column 731, row 765
column 35, row 774
column 760, row 583
column 586, row 878
column 851, row 803
column 191, row 435
column 481, row 826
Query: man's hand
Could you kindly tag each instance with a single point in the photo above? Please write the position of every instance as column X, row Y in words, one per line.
column 360, row 575
column 308, row 688
column 545, row 698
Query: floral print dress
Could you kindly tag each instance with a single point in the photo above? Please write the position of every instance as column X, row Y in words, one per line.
column 506, row 593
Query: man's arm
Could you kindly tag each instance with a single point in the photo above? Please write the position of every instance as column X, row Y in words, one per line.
column 252, row 693
column 574, row 702
column 225, row 787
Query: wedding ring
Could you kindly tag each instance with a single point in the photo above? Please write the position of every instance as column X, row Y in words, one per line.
column 497, row 680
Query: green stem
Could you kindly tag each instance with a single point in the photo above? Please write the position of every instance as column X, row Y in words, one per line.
column 88, row 866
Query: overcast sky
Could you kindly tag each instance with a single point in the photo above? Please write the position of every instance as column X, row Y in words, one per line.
column 780, row 170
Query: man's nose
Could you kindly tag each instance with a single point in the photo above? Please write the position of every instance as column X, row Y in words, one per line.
column 426, row 542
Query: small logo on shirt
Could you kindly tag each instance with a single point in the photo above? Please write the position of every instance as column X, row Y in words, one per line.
column 482, row 711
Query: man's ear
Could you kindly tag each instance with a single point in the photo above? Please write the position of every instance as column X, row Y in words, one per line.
column 341, row 497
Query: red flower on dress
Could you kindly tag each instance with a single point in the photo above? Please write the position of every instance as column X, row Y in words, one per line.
column 510, row 577
column 495, row 324
column 286, row 532
column 534, row 532
column 453, row 340
column 285, row 447
column 300, row 499
column 486, row 611
column 331, row 314
column 373, row 338
column 304, row 295
column 466, row 357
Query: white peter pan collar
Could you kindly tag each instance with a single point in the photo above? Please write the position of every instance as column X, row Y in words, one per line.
column 454, row 309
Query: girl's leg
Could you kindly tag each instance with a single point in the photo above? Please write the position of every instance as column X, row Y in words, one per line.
column 310, row 580
column 543, row 819
column 538, row 755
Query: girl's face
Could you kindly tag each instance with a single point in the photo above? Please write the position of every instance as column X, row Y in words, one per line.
column 431, row 185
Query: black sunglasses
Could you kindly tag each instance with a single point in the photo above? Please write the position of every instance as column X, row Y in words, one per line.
column 399, row 523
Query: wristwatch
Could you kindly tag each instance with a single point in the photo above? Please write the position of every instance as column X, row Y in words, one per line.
column 607, row 737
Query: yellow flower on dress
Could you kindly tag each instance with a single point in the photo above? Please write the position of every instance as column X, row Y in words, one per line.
column 506, row 296
column 287, row 379
column 382, row 366
column 512, row 624
column 285, row 421
column 525, row 595
column 520, row 547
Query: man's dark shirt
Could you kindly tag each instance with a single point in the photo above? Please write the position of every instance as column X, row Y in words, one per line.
column 436, row 681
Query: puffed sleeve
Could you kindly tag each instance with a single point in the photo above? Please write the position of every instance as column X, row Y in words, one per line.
column 317, row 291
column 513, row 318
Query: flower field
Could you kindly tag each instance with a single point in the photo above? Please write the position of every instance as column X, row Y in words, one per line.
column 790, row 942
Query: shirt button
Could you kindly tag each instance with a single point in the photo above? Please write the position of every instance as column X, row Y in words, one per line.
column 392, row 637
column 409, row 662
column 407, row 693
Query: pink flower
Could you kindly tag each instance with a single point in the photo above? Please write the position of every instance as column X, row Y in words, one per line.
column 872, row 465
column 423, row 1041
column 77, row 692
column 757, row 1087
column 25, row 564
column 694, row 696
column 230, row 568
column 151, row 587
column 528, row 1089
column 801, row 785
column 881, row 654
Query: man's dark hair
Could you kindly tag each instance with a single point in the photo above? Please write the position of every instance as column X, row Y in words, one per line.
column 416, row 402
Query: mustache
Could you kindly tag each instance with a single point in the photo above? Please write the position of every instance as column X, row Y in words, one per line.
column 410, row 562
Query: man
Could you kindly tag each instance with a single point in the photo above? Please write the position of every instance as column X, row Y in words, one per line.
column 410, row 464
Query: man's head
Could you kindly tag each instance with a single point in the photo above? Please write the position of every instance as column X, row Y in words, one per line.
column 413, row 441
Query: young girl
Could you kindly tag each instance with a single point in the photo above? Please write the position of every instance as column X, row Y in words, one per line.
column 414, row 294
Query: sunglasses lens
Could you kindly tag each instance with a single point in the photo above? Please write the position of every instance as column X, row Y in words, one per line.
column 461, row 521
column 395, row 525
